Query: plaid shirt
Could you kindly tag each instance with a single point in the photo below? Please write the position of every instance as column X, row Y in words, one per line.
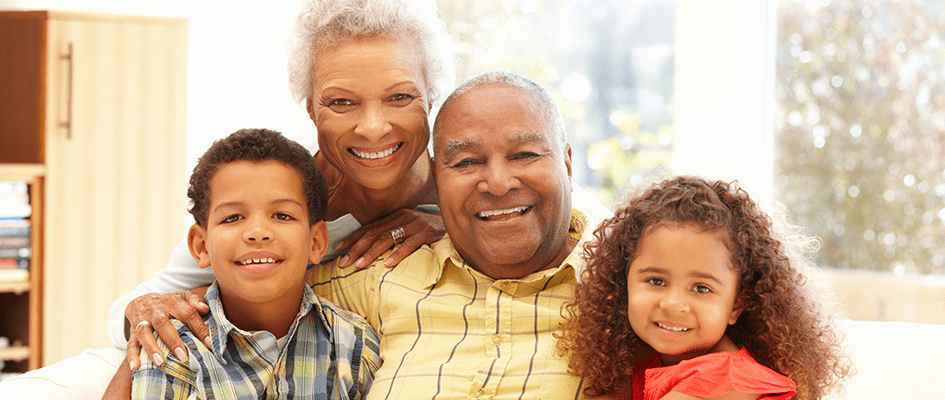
column 329, row 353
column 450, row 332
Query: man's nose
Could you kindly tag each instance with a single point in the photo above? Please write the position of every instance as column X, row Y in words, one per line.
column 499, row 177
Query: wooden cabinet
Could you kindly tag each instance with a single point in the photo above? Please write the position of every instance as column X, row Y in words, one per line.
column 21, row 302
column 99, row 102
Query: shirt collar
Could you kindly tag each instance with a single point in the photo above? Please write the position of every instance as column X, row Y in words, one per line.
column 220, row 327
column 447, row 256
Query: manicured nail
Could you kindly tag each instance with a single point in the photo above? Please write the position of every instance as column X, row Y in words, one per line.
column 207, row 342
column 158, row 360
column 357, row 264
column 131, row 365
column 344, row 261
column 389, row 262
column 202, row 304
column 181, row 354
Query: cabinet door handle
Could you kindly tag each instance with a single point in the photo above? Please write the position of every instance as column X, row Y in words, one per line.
column 68, row 123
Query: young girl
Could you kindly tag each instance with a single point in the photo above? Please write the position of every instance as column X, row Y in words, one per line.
column 690, row 293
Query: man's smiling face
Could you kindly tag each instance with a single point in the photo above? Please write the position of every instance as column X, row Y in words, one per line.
column 504, row 182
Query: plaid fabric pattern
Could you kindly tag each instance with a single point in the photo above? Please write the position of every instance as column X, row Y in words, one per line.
column 450, row 332
column 329, row 353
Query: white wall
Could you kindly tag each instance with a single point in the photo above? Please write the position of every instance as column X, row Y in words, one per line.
column 233, row 51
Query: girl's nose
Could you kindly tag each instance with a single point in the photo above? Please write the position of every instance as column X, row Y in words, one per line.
column 674, row 303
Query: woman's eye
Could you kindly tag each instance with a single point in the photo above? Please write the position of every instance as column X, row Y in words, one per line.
column 401, row 97
column 340, row 103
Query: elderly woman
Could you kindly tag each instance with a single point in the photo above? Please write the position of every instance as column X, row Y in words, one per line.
column 368, row 72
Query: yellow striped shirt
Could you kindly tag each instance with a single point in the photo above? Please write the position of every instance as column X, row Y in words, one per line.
column 450, row 332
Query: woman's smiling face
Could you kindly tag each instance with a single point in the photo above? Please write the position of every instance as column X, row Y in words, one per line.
column 370, row 107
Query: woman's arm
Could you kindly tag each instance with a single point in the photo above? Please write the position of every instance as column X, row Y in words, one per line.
column 155, row 301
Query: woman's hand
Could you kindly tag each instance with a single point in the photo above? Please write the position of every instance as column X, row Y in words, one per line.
column 368, row 243
column 154, row 311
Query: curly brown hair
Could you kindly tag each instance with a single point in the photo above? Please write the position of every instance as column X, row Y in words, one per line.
column 257, row 145
column 782, row 325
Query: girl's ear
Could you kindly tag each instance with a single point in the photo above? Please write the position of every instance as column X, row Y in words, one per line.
column 737, row 308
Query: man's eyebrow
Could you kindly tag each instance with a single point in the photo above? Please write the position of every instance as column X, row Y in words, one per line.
column 528, row 137
column 454, row 145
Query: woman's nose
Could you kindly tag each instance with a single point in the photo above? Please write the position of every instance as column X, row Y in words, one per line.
column 373, row 123
column 499, row 178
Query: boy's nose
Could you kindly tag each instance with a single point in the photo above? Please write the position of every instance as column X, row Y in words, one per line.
column 257, row 233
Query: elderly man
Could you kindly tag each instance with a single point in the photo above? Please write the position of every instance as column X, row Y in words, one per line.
column 472, row 316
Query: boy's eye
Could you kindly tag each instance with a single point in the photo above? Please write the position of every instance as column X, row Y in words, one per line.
column 284, row 217
column 232, row 218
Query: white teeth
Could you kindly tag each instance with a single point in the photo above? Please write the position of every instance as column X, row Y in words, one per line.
column 487, row 214
column 670, row 328
column 258, row 261
column 379, row 154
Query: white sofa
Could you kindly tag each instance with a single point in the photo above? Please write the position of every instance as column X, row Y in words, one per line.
column 894, row 360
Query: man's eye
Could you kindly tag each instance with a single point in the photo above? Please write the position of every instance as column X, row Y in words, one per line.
column 525, row 155
column 465, row 163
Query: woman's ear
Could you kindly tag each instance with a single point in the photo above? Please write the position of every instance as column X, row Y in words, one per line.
column 197, row 243
column 737, row 308
column 310, row 108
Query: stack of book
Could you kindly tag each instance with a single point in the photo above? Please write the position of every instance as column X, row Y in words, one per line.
column 15, row 250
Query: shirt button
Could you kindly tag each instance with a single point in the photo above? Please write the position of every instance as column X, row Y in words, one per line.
column 497, row 339
column 479, row 394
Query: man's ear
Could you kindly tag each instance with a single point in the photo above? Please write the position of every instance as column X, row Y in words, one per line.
column 197, row 243
column 310, row 108
column 567, row 158
column 319, row 242
column 737, row 308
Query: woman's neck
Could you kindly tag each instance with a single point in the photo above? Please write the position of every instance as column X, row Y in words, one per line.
column 345, row 196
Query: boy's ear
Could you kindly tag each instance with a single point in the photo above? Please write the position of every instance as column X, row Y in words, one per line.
column 737, row 308
column 319, row 242
column 197, row 242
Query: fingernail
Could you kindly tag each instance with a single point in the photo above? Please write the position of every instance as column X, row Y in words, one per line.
column 338, row 246
column 131, row 365
column 158, row 360
column 202, row 304
column 207, row 342
column 389, row 262
column 357, row 264
column 181, row 354
column 344, row 261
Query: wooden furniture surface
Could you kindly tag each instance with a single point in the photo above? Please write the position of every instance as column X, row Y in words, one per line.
column 99, row 102
column 21, row 302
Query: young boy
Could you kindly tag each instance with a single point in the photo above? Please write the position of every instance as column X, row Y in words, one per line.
column 258, row 200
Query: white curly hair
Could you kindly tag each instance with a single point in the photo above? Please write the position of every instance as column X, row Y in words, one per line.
column 322, row 24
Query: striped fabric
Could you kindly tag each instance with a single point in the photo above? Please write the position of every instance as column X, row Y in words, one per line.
column 329, row 353
column 449, row 332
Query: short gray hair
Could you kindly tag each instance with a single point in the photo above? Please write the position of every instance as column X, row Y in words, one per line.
column 323, row 24
column 549, row 107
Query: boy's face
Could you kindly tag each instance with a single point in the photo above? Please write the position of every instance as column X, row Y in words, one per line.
column 258, row 238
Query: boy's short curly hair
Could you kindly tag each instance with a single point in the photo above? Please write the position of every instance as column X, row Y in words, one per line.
column 257, row 145
column 782, row 325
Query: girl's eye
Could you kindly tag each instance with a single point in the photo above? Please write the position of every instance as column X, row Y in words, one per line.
column 656, row 282
column 702, row 289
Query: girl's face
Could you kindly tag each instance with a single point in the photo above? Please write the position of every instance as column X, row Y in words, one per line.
column 369, row 105
column 682, row 292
